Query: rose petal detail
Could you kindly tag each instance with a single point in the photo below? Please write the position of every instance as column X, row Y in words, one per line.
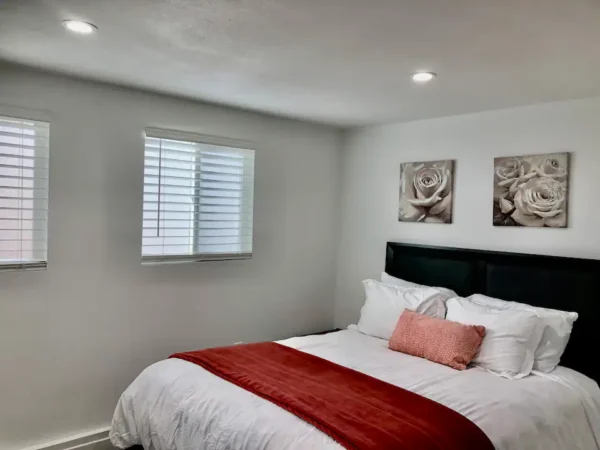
column 554, row 166
column 519, row 200
column 538, row 201
column 426, row 189
column 507, row 182
column 537, row 209
column 527, row 177
column 527, row 220
column 441, row 206
column 559, row 221
column 420, row 195
column 445, row 180
column 513, row 188
column 407, row 188
column 428, row 202
column 549, row 214
column 408, row 212
column 507, row 168
column 506, row 206
column 448, row 185
column 434, row 219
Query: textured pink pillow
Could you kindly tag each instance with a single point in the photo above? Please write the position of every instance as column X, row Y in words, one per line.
column 443, row 341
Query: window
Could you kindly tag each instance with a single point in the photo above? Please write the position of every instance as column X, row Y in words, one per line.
column 198, row 198
column 23, row 193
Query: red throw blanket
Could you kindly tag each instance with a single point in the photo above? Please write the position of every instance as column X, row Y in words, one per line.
column 357, row 410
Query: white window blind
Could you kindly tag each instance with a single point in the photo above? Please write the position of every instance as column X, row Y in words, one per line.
column 24, row 152
column 198, row 198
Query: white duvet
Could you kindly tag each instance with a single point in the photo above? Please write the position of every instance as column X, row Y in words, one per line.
column 175, row 404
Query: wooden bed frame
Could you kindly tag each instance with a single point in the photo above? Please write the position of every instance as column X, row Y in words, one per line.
column 567, row 284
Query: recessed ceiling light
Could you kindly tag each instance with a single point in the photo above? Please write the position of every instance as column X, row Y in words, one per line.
column 79, row 27
column 423, row 77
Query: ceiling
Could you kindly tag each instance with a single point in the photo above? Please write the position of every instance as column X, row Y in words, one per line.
column 341, row 62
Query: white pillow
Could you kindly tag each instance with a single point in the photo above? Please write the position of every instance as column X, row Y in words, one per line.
column 386, row 278
column 511, row 337
column 385, row 302
column 556, row 333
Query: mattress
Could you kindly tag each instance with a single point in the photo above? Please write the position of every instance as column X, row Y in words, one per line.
column 174, row 404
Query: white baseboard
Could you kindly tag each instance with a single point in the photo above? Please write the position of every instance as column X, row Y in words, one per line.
column 95, row 440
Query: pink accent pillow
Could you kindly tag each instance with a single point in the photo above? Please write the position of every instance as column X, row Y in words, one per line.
column 443, row 341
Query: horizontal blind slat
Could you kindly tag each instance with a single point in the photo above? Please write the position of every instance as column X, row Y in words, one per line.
column 21, row 166
column 190, row 190
column 11, row 177
column 10, row 208
column 208, row 190
column 153, row 186
column 176, row 165
column 22, row 196
column 9, row 266
column 174, row 150
column 21, row 126
column 180, row 232
column 183, row 240
column 37, row 136
column 175, row 259
column 9, row 221
column 11, row 121
column 23, row 240
column 199, row 223
column 149, row 200
column 193, row 159
column 167, row 173
column 184, row 247
column 23, row 188
column 41, row 231
column 207, row 175
column 41, row 151
column 231, row 201
column 187, row 227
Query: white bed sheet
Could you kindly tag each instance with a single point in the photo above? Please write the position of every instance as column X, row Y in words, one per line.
column 174, row 404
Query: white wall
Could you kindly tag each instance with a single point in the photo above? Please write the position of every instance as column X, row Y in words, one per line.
column 371, row 184
column 74, row 336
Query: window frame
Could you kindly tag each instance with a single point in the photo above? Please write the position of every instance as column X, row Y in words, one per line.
column 191, row 137
column 25, row 115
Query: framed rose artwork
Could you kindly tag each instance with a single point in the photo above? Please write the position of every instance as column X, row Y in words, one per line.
column 531, row 191
column 426, row 192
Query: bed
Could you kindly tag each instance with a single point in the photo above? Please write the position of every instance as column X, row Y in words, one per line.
column 177, row 405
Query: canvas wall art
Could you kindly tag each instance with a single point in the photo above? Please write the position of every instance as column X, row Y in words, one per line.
column 426, row 190
column 531, row 191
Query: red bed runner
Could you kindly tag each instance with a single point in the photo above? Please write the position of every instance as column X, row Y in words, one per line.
column 356, row 410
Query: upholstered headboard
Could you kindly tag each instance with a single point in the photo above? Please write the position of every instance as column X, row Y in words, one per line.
column 568, row 284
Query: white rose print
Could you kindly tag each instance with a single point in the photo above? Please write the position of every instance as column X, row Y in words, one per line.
column 426, row 192
column 531, row 191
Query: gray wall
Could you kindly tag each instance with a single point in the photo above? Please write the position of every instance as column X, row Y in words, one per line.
column 72, row 337
column 371, row 168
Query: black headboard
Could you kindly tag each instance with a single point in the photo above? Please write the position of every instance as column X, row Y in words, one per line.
column 567, row 284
